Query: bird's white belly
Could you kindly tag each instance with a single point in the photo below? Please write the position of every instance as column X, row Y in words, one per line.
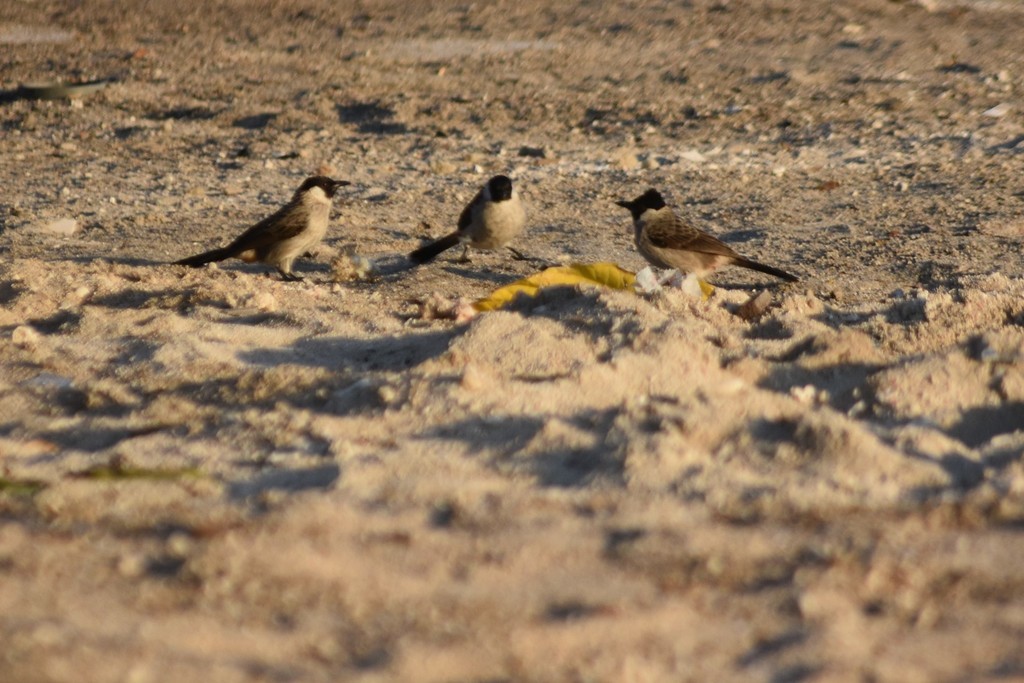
column 503, row 221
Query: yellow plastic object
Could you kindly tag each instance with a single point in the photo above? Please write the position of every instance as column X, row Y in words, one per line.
column 595, row 274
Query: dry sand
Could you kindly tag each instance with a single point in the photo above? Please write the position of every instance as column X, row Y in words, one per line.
column 216, row 475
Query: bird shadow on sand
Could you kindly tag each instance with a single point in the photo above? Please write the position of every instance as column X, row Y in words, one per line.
column 285, row 480
column 845, row 384
column 380, row 354
column 116, row 260
column 371, row 117
column 481, row 272
column 521, row 444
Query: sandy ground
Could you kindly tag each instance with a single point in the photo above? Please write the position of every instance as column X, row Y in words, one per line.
column 216, row 475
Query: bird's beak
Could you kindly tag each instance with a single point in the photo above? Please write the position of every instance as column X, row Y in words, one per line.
column 625, row 204
column 341, row 183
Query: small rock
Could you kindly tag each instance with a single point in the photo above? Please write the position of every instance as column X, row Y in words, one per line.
column 61, row 226
column 25, row 337
column 806, row 394
column 132, row 565
column 755, row 306
column 694, row 156
column 376, row 194
column 997, row 112
column 263, row 301
column 77, row 297
column 387, row 394
column 179, row 544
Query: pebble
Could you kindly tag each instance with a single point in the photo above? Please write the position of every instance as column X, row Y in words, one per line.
column 77, row 297
column 694, row 156
column 805, row 394
column 997, row 112
column 387, row 394
column 61, row 226
column 25, row 337
column 179, row 544
column 132, row 565
column 375, row 194
column 263, row 301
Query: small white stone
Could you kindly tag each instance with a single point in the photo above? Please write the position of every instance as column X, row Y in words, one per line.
column 61, row 226
column 132, row 565
column 805, row 394
column 694, row 156
column 76, row 297
column 998, row 111
column 264, row 301
column 25, row 337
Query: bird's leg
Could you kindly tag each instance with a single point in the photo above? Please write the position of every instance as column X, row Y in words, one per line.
column 518, row 255
column 289, row 276
column 465, row 255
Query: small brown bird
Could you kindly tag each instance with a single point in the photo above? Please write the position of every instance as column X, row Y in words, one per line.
column 492, row 219
column 667, row 241
column 280, row 238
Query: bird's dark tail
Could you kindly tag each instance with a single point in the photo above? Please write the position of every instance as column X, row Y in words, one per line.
column 761, row 268
column 206, row 257
column 430, row 251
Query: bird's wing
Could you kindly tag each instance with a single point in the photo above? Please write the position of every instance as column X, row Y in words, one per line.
column 680, row 235
column 466, row 217
column 278, row 226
